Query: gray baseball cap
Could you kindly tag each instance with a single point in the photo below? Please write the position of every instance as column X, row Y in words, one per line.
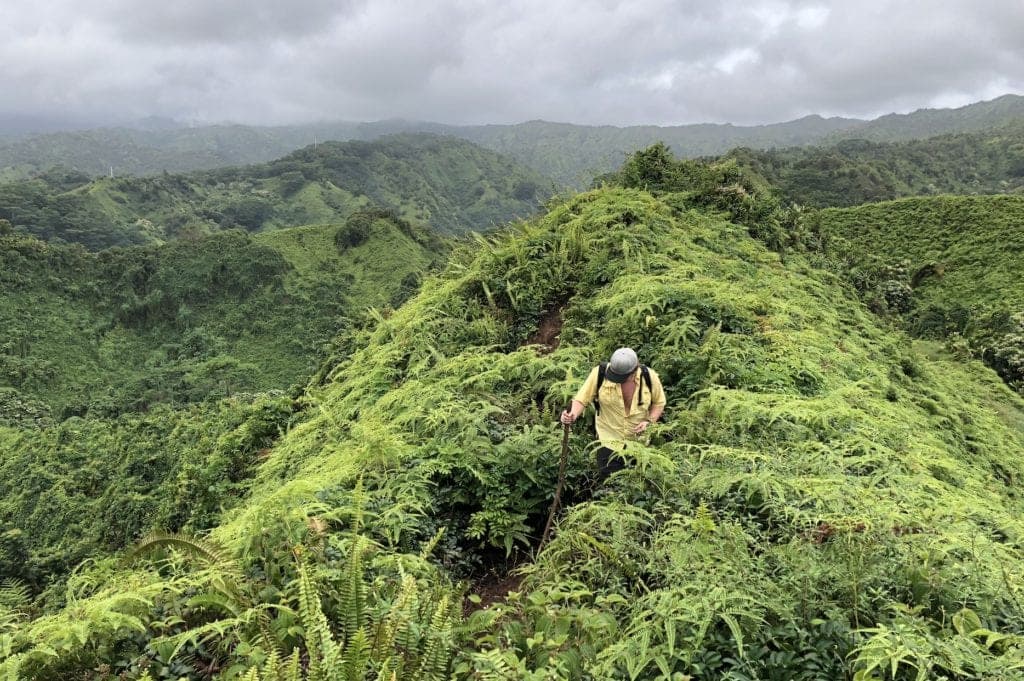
column 622, row 365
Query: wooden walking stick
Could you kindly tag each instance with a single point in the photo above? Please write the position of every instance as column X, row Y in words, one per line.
column 558, row 490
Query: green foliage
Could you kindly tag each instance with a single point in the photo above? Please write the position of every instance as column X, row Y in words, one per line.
column 858, row 171
column 1006, row 352
column 53, row 214
column 194, row 318
column 450, row 185
column 720, row 185
column 17, row 410
column 90, row 486
column 825, row 498
column 948, row 264
column 190, row 607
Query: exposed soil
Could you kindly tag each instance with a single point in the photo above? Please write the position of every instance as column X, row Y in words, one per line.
column 548, row 334
column 825, row 531
column 492, row 588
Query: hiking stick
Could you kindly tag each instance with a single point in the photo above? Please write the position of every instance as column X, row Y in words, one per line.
column 558, row 490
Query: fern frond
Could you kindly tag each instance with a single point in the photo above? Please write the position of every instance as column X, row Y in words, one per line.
column 14, row 594
column 436, row 655
column 203, row 549
column 353, row 595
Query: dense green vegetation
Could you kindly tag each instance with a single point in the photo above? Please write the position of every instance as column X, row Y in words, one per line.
column 826, row 498
column 87, row 487
column 451, row 185
column 859, row 171
column 949, row 265
column 124, row 329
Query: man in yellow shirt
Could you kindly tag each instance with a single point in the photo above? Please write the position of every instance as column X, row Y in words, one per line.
column 628, row 398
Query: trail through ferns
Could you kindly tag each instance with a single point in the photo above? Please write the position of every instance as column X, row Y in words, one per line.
column 822, row 501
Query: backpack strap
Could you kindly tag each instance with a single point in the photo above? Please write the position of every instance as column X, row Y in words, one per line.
column 597, row 391
column 646, row 374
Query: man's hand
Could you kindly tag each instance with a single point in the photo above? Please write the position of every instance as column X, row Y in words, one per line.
column 570, row 415
column 641, row 427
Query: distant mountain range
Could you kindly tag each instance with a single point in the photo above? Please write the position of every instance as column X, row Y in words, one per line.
column 571, row 154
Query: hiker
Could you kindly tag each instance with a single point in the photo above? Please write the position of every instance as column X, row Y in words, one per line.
column 627, row 397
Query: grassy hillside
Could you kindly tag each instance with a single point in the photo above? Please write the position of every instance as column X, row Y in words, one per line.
column 451, row 185
column 858, row 171
column 825, row 498
column 950, row 265
column 125, row 329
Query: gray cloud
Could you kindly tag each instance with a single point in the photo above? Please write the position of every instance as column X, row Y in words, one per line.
column 472, row 61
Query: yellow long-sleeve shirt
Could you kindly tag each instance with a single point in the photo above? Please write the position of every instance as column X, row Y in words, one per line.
column 615, row 424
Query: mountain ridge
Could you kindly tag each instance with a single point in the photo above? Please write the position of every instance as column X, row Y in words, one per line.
column 21, row 158
column 450, row 184
column 856, row 171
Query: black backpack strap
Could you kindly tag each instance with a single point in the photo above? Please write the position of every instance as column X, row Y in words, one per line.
column 646, row 374
column 597, row 391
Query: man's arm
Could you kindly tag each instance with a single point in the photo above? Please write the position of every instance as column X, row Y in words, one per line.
column 583, row 397
column 573, row 413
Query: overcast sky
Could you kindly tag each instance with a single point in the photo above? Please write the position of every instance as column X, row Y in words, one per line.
column 648, row 61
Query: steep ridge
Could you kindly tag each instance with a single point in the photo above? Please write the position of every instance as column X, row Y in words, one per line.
column 449, row 184
column 823, row 499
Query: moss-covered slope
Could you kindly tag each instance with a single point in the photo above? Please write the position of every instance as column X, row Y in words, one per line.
column 823, row 498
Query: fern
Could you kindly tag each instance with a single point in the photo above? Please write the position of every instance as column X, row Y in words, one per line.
column 200, row 548
column 353, row 597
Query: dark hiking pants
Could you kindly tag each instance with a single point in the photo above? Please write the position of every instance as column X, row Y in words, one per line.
column 608, row 462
